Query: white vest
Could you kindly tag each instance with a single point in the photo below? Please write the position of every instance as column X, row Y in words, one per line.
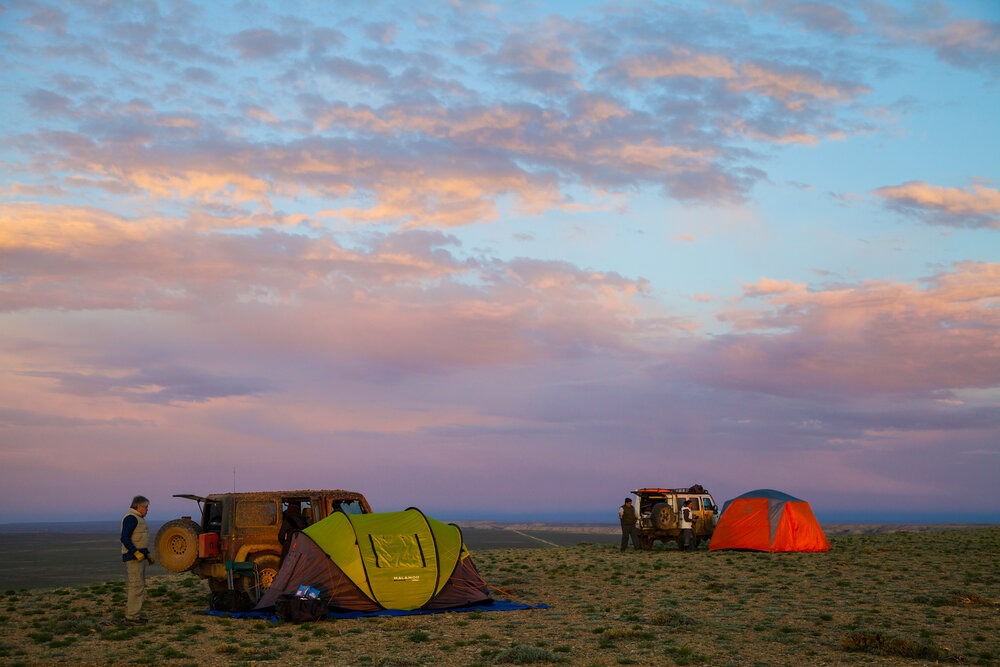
column 140, row 536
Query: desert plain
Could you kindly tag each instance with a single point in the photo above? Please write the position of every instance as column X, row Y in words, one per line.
column 878, row 597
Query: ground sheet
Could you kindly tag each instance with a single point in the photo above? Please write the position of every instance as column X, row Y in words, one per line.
column 496, row 605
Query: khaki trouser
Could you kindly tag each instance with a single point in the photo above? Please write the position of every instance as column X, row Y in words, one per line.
column 135, row 571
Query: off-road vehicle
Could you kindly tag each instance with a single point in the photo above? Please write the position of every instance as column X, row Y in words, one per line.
column 234, row 542
column 659, row 514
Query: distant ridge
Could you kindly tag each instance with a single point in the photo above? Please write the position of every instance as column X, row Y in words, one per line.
column 878, row 528
column 571, row 527
column 68, row 527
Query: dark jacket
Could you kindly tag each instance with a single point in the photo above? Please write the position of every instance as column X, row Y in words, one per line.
column 628, row 515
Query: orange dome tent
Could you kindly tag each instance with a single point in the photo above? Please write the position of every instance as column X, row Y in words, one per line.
column 768, row 520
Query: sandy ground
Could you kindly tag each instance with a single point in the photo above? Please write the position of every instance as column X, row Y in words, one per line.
column 899, row 599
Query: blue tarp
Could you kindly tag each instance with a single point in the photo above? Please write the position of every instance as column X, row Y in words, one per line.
column 496, row 605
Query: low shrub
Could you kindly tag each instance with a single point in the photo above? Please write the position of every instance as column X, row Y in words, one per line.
column 886, row 645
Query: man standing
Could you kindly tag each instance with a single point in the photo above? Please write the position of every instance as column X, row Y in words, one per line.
column 687, row 526
column 627, row 517
column 292, row 522
column 135, row 555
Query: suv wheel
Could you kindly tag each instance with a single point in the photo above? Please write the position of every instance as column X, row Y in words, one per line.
column 662, row 516
column 177, row 544
column 267, row 568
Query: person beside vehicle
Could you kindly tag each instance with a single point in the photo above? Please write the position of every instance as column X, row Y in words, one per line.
column 628, row 517
column 687, row 527
column 135, row 554
column 292, row 521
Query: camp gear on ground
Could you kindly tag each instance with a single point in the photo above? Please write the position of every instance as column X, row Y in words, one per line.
column 295, row 609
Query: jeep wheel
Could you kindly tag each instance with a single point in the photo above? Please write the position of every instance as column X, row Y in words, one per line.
column 645, row 543
column 177, row 545
column 267, row 569
column 662, row 516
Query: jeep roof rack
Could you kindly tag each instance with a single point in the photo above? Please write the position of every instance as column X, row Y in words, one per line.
column 686, row 489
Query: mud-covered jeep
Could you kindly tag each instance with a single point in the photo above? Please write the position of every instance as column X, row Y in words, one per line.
column 659, row 514
column 234, row 542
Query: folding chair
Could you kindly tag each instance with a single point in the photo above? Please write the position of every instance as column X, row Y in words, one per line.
column 242, row 569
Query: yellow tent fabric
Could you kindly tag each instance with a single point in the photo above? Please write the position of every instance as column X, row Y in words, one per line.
column 400, row 560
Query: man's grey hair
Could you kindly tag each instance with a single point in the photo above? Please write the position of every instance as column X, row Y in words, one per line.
column 139, row 500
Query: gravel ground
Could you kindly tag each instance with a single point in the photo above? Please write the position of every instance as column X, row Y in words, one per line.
column 902, row 598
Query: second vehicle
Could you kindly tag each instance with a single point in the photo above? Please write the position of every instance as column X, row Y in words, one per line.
column 659, row 514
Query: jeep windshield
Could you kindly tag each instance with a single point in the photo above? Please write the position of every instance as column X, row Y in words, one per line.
column 347, row 507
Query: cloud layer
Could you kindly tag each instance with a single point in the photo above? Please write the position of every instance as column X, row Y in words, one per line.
column 398, row 253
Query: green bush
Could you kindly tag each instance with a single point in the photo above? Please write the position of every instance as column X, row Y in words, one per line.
column 897, row 647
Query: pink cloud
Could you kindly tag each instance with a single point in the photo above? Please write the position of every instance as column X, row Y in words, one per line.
column 813, row 16
column 48, row 102
column 975, row 206
column 966, row 43
column 770, row 287
column 820, row 16
column 789, row 85
column 973, row 44
column 382, row 33
column 679, row 62
column 47, row 18
column 539, row 59
column 349, row 69
column 400, row 299
column 261, row 114
column 263, row 43
column 871, row 337
column 527, row 149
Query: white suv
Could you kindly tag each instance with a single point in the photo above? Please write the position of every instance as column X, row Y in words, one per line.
column 659, row 514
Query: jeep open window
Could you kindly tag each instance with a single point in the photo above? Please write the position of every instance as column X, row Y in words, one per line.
column 707, row 503
column 646, row 503
column 347, row 507
column 305, row 508
column 212, row 517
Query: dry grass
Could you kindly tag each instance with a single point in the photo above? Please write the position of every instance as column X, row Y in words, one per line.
column 890, row 599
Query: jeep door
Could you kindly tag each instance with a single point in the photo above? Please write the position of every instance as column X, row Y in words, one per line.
column 707, row 515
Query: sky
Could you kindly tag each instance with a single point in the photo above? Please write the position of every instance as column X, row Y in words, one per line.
column 501, row 260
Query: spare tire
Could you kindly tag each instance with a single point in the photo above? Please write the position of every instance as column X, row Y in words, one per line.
column 662, row 516
column 177, row 544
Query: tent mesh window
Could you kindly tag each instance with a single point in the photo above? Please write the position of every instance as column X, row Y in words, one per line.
column 397, row 551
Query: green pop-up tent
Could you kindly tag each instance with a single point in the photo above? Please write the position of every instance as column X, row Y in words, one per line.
column 389, row 560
